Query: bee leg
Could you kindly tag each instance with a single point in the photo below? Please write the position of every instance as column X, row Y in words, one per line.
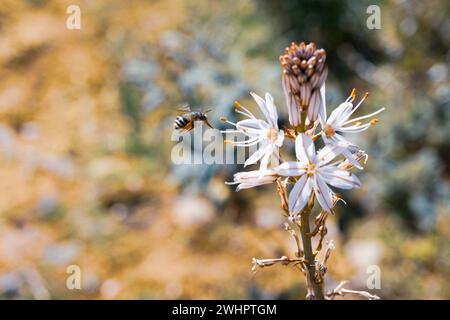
column 209, row 125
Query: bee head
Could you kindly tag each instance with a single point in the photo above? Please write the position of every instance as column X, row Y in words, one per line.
column 203, row 116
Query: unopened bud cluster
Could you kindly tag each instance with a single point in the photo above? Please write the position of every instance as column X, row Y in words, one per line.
column 304, row 74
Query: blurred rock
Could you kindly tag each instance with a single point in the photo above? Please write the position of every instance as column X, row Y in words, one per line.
column 192, row 211
column 110, row 289
column 61, row 255
column 269, row 218
column 363, row 253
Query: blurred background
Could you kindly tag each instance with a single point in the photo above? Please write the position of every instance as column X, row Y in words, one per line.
column 85, row 142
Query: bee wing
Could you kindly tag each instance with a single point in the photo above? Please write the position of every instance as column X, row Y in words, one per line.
column 208, row 110
column 184, row 108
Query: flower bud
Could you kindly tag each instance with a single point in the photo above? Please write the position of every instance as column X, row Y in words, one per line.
column 304, row 73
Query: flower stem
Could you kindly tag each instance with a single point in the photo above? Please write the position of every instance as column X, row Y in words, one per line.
column 316, row 286
column 301, row 127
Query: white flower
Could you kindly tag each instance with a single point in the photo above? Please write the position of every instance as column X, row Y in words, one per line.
column 254, row 178
column 264, row 133
column 339, row 123
column 315, row 174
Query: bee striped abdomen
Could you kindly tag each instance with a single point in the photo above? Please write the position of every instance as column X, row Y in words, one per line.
column 180, row 122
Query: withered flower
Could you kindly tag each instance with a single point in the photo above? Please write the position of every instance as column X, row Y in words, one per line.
column 250, row 179
column 304, row 74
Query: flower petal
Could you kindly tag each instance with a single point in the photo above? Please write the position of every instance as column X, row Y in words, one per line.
column 291, row 169
column 323, row 193
column 252, row 127
column 280, row 139
column 338, row 115
column 351, row 158
column 273, row 121
column 299, row 195
column 291, row 101
column 314, row 106
column 339, row 178
column 265, row 159
column 256, row 156
column 323, row 106
column 253, row 178
column 294, row 111
column 304, row 148
column 329, row 152
column 262, row 105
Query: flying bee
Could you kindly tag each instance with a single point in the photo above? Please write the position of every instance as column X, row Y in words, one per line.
column 185, row 121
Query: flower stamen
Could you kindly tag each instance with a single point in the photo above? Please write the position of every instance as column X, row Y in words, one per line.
column 329, row 130
column 272, row 135
column 352, row 96
column 238, row 107
column 310, row 169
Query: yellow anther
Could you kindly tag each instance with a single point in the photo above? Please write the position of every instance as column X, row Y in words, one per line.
column 228, row 142
column 353, row 94
column 223, row 119
column 237, row 104
column 374, row 121
column 366, row 95
column 358, row 123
